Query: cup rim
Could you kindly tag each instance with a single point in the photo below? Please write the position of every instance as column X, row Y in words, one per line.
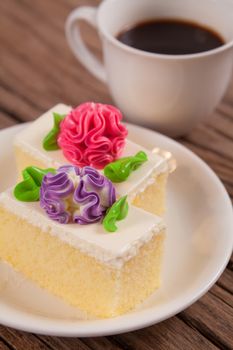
column 147, row 54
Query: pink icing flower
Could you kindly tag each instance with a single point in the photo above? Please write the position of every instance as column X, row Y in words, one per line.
column 92, row 134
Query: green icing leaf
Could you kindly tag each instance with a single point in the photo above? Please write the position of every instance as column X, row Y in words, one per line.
column 50, row 140
column 29, row 189
column 120, row 170
column 118, row 211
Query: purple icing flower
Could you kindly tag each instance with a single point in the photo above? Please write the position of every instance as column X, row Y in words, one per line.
column 81, row 195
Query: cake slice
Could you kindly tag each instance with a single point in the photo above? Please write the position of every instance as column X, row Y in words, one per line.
column 105, row 274
column 145, row 187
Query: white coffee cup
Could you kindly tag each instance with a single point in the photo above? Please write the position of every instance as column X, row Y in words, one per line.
column 169, row 93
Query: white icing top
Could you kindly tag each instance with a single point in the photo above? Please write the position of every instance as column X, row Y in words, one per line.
column 30, row 140
column 110, row 248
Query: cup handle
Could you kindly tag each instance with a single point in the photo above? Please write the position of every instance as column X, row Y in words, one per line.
column 81, row 52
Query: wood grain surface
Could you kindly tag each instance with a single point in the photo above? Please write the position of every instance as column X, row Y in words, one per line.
column 37, row 70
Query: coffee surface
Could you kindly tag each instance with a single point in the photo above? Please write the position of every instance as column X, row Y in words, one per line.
column 171, row 37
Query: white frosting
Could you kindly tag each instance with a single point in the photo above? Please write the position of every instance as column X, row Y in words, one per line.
column 113, row 249
column 30, row 140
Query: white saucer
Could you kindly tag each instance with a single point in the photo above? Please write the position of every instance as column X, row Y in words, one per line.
column 198, row 246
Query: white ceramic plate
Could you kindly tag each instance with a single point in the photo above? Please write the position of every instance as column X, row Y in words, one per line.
column 198, row 246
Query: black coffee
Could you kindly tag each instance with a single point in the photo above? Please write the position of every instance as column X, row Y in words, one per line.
column 171, row 37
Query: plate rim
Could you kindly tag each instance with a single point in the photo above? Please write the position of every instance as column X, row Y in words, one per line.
column 122, row 323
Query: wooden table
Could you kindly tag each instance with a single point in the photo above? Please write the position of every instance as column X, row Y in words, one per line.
column 37, row 70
